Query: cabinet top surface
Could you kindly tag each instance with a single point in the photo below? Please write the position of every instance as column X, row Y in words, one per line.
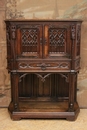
column 43, row 20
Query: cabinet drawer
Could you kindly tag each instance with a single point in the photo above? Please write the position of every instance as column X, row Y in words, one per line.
column 44, row 66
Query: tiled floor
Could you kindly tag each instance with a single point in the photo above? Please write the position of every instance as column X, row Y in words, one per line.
column 7, row 124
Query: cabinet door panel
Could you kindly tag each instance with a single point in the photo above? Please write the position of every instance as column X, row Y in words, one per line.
column 57, row 40
column 29, row 41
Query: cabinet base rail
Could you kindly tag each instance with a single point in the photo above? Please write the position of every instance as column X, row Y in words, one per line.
column 44, row 110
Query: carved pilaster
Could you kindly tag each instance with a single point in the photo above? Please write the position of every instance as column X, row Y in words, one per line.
column 78, row 39
column 78, row 34
column 13, row 31
column 73, row 43
column 73, row 32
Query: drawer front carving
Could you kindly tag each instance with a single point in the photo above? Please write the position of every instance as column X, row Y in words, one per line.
column 44, row 65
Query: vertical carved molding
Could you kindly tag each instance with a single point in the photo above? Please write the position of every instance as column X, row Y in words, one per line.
column 73, row 42
column 73, row 32
column 78, row 39
column 13, row 29
column 78, row 34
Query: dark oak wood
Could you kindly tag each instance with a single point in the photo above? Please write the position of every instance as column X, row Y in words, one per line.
column 43, row 59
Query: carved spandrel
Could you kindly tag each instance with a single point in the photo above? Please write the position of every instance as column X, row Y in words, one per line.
column 43, row 77
column 66, row 76
column 22, row 76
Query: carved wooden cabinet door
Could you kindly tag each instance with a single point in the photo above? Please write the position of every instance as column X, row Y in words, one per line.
column 30, row 40
column 57, row 40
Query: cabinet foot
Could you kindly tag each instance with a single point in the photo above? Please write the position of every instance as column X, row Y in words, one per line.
column 15, row 118
column 70, row 118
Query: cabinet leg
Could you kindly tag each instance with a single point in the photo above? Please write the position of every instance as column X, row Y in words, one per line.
column 14, row 85
column 71, row 91
column 15, row 118
column 71, row 107
column 70, row 118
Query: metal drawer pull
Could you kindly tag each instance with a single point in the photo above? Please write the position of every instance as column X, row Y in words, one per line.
column 43, row 66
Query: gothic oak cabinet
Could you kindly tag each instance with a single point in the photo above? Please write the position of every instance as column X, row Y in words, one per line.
column 43, row 59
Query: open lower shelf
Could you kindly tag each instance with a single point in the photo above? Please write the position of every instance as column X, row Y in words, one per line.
column 45, row 109
column 45, row 106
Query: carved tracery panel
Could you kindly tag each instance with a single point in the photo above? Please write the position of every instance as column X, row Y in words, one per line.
column 57, row 40
column 30, row 40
